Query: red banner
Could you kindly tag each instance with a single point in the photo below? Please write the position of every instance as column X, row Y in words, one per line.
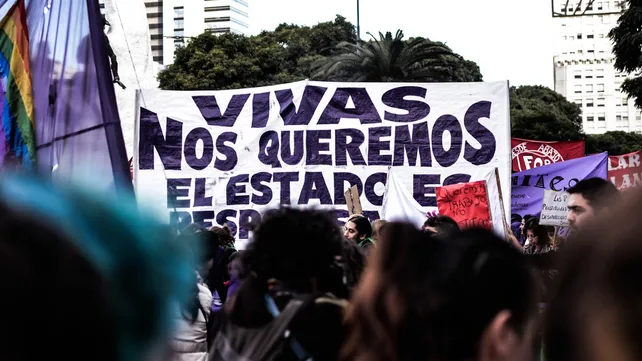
column 625, row 170
column 466, row 203
column 528, row 154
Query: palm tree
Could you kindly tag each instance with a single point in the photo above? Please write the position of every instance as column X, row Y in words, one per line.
column 389, row 59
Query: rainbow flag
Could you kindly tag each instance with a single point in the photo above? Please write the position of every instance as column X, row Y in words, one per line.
column 17, row 136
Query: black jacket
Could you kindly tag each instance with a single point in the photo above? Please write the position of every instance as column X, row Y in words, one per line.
column 318, row 325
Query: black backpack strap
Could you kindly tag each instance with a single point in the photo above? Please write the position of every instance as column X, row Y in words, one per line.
column 285, row 317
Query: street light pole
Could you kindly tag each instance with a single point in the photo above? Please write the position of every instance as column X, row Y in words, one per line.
column 358, row 23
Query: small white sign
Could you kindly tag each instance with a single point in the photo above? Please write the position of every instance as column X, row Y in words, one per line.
column 554, row 209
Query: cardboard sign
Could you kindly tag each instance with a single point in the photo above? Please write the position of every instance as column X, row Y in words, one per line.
column 466, row 203
column 554, row 209
column 352, row 200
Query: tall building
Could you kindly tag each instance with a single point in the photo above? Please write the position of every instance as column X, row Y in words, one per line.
column 183, row 19
column 583, row 65
column 171, row 22
column 155, row 20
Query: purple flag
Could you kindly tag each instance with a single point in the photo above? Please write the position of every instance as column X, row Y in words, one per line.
column 528, row 186
column 78, row 132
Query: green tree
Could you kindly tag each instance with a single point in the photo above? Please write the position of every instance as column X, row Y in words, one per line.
column 540, row 113
column 389, row 59
column 627, row 47
column 231, row 61
column 615, row 143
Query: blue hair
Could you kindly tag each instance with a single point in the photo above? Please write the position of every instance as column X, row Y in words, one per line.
column 146, row 270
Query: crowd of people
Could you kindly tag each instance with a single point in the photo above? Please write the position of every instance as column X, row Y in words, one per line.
column 88, row 279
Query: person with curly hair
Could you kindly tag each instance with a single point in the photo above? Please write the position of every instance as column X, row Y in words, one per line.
column 294, row 266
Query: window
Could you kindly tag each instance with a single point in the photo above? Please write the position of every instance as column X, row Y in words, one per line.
column 625, row 101
column 565, row 37
column 600, row 102
column 577, row 74
column 179, row 33
column 588, row 74
column 600, row 73
column 580, row 52
column 179, row 12
column 590, row 36
column 579, row 36
column 618, row 118
column 599, row 6
column 600, row 88
column 591, row 51
column 625, row 118
column 578, row 89
column 589, row 88
column 571, row 37
column 590, row 119
column 179, row 24
column 589, row 104
column 601, row 117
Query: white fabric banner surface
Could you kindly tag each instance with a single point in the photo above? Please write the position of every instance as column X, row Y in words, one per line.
column 218, row 157
column 399, row 204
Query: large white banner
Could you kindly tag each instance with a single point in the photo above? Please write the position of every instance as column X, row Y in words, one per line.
column 218, row 157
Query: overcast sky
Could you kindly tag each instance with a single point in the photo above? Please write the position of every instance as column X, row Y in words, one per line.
column 509, row 39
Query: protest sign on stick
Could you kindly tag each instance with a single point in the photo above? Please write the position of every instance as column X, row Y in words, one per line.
column 466, row 203
column 554, row 209
column 352, row 200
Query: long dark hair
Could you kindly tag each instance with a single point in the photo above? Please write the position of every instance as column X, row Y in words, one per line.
column 426, row 297
column 203, row 245
column 541, row 232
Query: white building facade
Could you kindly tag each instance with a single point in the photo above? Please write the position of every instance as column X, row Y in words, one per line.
column 172, row 22
column 184, row 19
column 583, row 65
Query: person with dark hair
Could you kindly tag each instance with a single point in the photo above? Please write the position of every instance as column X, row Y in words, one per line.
column 523, row 239
column 468, row 296
column 294, row 262
column 539, row 242
column 590, row 197
column 354, row 263
column 219, row 275
column 83, row 276
column 595, row 313
column 237, row 270
column 359, row 230
column 189, row 342
column 441, row 225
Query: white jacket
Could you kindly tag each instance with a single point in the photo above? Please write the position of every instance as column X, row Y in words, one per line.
column 190, row 339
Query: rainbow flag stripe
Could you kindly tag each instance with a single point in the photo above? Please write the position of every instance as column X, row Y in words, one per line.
column 17, row 131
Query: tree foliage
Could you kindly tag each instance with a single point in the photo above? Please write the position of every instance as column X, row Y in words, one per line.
column 231, row 61
column 390, row 59
column 615, row 143
column 291, row 53
column 540, row 113
column 627, row 47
